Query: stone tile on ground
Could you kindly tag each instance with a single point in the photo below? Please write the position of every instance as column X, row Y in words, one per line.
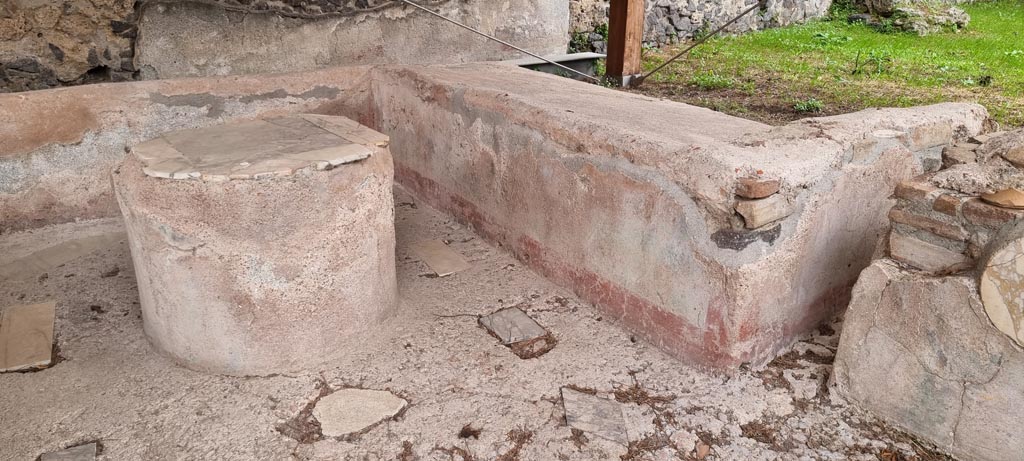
column 348, row 411
column 86, row 452
column 595, row 415
column 514, row 328
column 26, row 336
column 440, row 258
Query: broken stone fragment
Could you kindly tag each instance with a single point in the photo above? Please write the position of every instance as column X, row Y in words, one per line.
column 595, row 415
column 1002, row 284
column 926, row 256
column 1008, row 145
column 959, row 154
column 985, row 137
column 26, row 336
column 349, row 411
column 1007, row 198
column 755, row 188
column 757, row 213
column 517, row 330
column 85, row 452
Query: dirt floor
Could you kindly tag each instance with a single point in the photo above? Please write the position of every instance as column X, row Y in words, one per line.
column 470, row 397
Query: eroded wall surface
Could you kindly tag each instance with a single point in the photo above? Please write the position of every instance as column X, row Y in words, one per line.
column 48, row 44
column 59, row 145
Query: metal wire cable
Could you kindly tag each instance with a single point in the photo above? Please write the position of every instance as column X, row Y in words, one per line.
column 640, row 79
column 431, row 12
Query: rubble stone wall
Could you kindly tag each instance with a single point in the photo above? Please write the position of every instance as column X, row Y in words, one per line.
column 48, row 44
column 668, row 21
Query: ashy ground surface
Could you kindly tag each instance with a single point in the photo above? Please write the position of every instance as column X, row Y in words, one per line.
column 831, row 67
column 470, row 397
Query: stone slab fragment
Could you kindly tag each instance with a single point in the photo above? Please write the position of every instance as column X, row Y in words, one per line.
column 757, row 213
column 1002, row 287
column 26, row 336
column 1008, row 198
column 919, row 352
column 926, row 256
column 440, row 257
column 349, row 411
column 595, row 415
column 43, row 260
column 512, row 325
column 85, row 452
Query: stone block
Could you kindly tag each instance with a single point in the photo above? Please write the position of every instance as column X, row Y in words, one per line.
column 917, row 189
column 947, row 204
column 760, row 212
column 926, row 256
column 943, row 229
column 755, row 188
column 982, row 214
column 959, row 154
column 86, row 452
column 919, row 352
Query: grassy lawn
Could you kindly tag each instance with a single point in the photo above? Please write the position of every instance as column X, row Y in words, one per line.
column 830, row 67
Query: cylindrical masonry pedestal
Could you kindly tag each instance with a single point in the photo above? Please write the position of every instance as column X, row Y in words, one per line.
column 261, row 247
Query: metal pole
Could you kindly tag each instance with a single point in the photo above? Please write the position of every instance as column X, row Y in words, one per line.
column 431, row 12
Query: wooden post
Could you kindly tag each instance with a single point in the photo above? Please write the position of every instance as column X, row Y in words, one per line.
column 625, row 37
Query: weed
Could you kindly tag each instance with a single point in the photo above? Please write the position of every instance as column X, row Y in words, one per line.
column 809, row 105
column 712, row 81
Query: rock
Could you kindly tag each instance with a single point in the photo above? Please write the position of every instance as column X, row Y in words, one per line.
column 757, row 213
column 592, row 414
column 1008, row 145
column 1002, row 283
column 959, row 154
column 979, row 179
column 985, row 137
column 348, row 411
column 924, row 20
column 517, row 330
column 85, row 452
column 926, row 256
column 755, row 188
column 1006, row 198
column 26, row 336
column 919, row 352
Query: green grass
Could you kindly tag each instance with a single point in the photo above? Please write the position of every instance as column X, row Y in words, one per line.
column 847, row 67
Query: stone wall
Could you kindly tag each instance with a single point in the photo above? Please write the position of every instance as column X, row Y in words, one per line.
column 47, row 44
column 44, row 44
column 669, row 21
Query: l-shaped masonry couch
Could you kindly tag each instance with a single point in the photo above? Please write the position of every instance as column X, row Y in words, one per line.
column 627, row 200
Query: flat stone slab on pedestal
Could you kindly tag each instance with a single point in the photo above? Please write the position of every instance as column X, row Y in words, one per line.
column 258, row 148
